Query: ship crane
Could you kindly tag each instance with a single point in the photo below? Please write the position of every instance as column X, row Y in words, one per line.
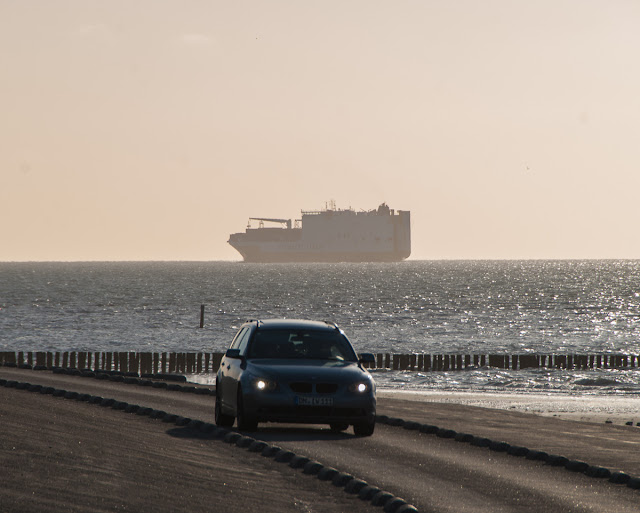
column 262, row 220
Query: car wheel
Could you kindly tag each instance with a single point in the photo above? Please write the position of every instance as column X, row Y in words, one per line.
column 336, row 427
column 245, row 423
column 364, row 428
column 222, row 419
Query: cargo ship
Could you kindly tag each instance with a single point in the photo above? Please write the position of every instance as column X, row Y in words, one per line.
column 329, row 235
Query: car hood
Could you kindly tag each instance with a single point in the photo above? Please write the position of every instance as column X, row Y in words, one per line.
column 321, row 370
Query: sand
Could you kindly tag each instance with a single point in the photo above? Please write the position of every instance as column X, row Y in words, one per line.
column 586, row 408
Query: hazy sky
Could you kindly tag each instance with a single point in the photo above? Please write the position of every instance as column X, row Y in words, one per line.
column 151, row 129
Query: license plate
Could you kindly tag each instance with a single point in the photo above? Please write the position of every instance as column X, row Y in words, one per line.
column 314, row 401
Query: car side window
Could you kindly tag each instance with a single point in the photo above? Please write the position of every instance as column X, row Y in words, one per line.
column 238, row 338
column 244, row 340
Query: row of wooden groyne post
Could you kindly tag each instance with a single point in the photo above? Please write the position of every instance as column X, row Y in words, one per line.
column 192, row 363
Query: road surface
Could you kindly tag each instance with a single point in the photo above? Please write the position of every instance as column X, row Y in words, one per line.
column 65, row 455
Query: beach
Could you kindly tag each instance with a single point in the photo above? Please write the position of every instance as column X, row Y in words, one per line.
column 586, row 408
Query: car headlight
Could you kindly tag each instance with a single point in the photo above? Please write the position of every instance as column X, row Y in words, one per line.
column 264, row 385
column 359, row 388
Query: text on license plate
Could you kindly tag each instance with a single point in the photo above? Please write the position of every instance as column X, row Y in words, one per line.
column 314, row 401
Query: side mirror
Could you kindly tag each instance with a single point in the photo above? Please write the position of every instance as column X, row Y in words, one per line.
column 233, row 353
column 367, row 358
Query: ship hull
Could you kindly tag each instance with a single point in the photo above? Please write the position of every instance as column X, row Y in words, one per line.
column 257, row 255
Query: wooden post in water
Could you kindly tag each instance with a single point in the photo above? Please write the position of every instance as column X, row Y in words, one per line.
column 134, row 362
column 497, row 361
column 529, row 361
column 202, row 316
column 146, row 363
column 215, row 361
column 190, row 363
column 560, row 361
column 123, row 361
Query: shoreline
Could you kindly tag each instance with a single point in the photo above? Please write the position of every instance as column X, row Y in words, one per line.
column 592, row 408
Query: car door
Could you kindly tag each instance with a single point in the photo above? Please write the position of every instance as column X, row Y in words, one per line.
column 233, row 369
column 224, row 382
column 237, row 367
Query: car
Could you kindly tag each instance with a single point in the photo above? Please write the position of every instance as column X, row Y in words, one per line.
column 295, row 371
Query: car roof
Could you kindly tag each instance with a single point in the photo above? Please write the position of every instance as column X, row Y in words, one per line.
column 294, row 324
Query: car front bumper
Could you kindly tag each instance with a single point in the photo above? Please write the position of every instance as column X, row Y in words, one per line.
column 282, row 407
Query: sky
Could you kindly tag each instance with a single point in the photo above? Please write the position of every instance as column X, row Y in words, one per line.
column 153, row 129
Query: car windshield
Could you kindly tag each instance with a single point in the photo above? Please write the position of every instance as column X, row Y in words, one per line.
column 302, row 344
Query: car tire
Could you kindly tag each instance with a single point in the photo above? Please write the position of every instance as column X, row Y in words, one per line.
column 365, row 428
column 245, row 423
column 222, row 419
column 337, row 427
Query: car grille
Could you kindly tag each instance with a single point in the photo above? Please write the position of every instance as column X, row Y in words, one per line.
column 326, row 388
column 307, row 388
column 301, row 388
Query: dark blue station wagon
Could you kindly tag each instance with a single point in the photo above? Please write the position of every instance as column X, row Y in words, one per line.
column 295, row 371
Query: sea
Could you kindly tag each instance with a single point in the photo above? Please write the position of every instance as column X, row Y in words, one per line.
column 436, row 307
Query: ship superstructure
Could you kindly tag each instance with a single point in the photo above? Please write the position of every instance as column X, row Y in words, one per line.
column 329, row 235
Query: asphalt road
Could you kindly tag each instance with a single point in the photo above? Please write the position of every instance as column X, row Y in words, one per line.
column 432, row 473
